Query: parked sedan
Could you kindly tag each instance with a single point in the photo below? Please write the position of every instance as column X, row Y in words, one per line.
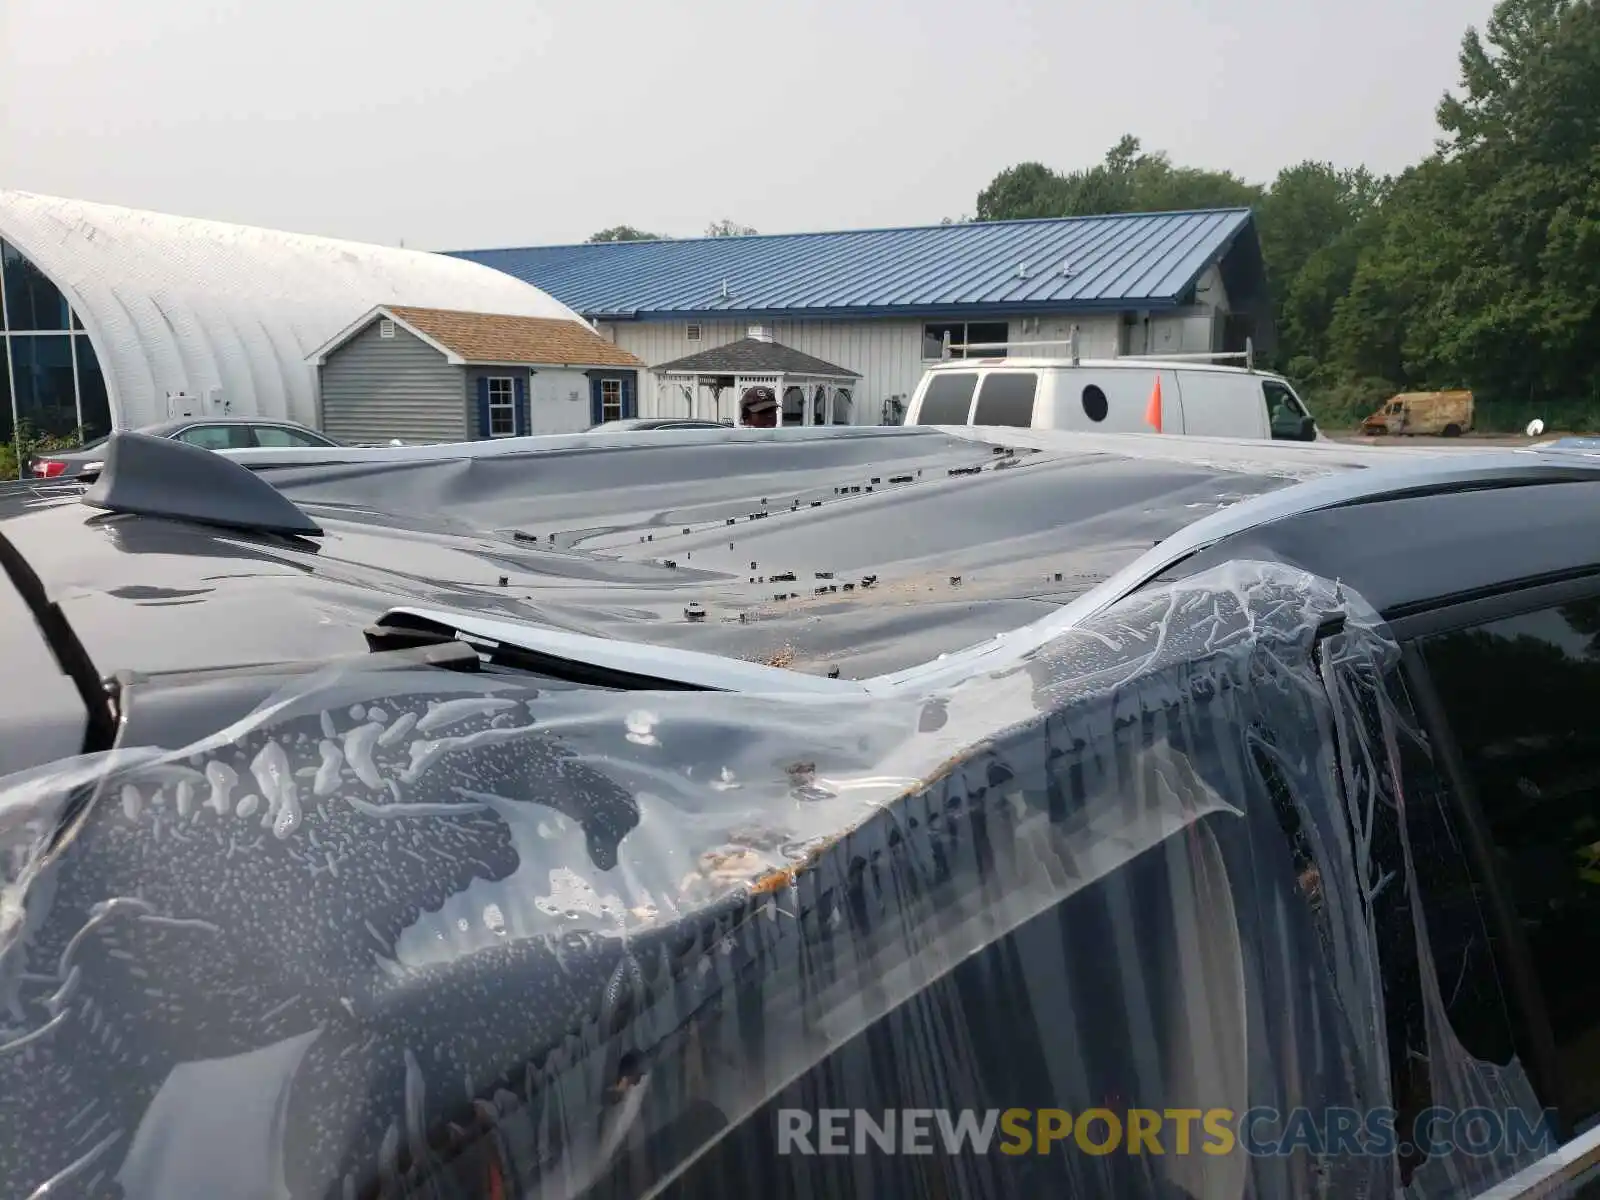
column 209, row 433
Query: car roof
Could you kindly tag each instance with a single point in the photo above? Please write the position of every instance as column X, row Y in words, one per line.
column 611, row 515
column 1407, row 550
column 1270, row 527
column 1015, row 525
column 162, row 427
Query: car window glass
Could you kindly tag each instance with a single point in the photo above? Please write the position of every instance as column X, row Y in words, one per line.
column 948, row 398
column 1421, row 887
column 217, row 437
column 1006, row 398
column 1521, row 694
column 1284, row 411
column 278, row 435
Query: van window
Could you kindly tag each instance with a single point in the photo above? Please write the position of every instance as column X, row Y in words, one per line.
column 1520, row 694
column 948, row 398
column 1286, row 414
column 1095, row 405
column 1006, row 398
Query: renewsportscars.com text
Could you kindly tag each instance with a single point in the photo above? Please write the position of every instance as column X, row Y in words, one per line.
column 1258, row 1132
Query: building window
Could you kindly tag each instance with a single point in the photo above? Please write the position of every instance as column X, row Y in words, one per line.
column 46, row 402
column 502, row 407
column 692, row 333
column 93, row 402
column 964, row 333
column 611, row 399
column 60, row 391
column 31, row 301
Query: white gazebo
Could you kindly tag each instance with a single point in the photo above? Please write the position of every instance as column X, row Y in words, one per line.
column 757, row 382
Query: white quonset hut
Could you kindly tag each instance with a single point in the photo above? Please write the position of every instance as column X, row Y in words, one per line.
column 115, row 317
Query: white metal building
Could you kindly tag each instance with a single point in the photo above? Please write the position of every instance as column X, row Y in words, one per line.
column 880, row 303
column 117, row 317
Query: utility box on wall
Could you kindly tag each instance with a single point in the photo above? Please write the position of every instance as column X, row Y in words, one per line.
column 184, row 404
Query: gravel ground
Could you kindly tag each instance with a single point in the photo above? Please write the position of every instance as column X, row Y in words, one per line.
column 1470, row 442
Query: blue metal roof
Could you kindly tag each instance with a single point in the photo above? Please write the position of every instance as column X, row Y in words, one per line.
column 1143, row 260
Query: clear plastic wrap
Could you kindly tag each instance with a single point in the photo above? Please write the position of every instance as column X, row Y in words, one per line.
column 417, row 932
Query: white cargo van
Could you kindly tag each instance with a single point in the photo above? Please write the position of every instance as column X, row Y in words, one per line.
column 1199, row 394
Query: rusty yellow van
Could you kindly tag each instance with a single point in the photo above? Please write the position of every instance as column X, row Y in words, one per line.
column 1433, row 414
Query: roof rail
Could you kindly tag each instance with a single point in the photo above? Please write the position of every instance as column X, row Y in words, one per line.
column 1247, row 355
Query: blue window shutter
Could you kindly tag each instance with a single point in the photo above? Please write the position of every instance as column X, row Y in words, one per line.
column 521, row 407
column 483, row 406
column 629, row 408
column 594, row 402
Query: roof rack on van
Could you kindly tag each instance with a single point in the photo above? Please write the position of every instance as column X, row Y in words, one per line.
column 1247, row 355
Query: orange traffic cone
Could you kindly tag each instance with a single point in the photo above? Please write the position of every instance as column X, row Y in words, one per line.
column 1152, row 410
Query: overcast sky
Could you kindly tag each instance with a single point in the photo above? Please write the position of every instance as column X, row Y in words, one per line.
column 518, row 122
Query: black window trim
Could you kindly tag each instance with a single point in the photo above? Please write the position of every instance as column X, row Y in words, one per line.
column 1510, row 599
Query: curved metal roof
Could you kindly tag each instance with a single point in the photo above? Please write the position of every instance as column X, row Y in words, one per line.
column 1145, row 259
column 180, row 304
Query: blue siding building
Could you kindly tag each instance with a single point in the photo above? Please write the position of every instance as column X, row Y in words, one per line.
column 882, row 301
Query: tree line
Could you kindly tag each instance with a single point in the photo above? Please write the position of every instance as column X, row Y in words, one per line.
column 1477, row 267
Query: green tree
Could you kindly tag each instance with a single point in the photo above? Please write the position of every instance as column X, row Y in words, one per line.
column 1027, row 190
column 1488, row 271
column 1478, row 267
column 1312, row 222
column 1127, row 180
column 624, row 233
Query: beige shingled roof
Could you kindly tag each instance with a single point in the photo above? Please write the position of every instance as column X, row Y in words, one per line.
column 492, row 338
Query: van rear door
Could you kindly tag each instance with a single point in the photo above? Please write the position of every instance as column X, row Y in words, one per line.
column 945, row 398
column 1007, row 398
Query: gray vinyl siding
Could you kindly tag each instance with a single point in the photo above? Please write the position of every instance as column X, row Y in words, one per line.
column 374, row 389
